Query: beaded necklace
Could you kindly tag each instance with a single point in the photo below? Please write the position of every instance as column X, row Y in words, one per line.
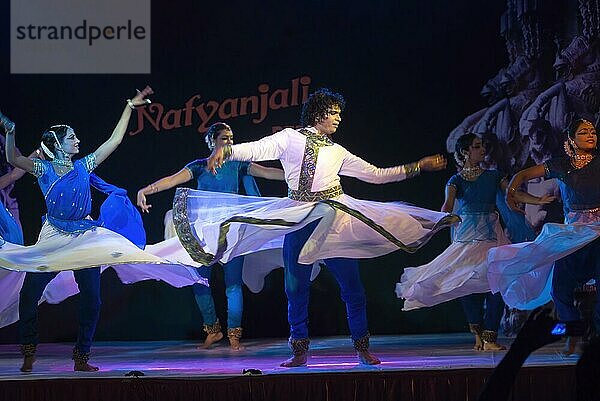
column 581, row 160
column 471, row 173
column 62, row 167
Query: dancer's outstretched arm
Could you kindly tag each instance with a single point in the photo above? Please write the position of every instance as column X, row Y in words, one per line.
column 116, row 137
column 268, row 148
column 514, row 196
column 16, row 173
column 525, row 197
column 354, row 166
column 182, row 176
column 269, row 173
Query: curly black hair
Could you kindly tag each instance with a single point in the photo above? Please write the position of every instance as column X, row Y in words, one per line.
column 318, row 105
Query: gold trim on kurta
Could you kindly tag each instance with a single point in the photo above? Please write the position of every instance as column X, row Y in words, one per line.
column 307, row 196
column 314, row 141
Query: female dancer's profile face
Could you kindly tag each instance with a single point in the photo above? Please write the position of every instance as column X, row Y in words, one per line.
column 476, row 151
column 70, row 143
column 225, row 137
column 585, row 136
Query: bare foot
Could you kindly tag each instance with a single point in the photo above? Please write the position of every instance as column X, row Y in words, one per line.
column 27, row 363
column 295, row 361
column 84, row 367
column 366, row 358
column 210, row 340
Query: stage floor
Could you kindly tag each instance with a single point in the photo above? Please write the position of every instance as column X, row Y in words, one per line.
column 179, row 359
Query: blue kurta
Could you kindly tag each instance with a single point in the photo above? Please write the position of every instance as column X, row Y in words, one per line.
column 562, row 256
column 579, row 188
column 230, row 177
column 478, row 196
column 482, row 196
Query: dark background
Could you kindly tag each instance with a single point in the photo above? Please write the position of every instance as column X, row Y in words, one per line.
column 410, row 70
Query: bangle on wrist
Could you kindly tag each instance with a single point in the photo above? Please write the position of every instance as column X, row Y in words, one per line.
column 132, row 106
column 150, row 189
column 412, row 169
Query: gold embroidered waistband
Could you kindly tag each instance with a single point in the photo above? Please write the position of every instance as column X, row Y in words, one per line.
column 307, row 196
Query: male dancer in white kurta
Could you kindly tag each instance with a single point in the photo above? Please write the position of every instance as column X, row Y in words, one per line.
column 312, row 165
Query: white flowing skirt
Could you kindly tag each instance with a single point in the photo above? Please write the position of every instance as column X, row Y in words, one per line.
column 256, row 266
column 522, row 273
column 56, row 251
column 458, row 271
column 218, row 227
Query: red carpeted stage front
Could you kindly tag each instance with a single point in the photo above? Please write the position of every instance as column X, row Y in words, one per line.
column 416, row 367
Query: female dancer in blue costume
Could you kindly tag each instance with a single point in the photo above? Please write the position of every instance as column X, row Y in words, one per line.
column 228, row 179
column 461, row 270
column 317, row 221
column 69, row 239
column 563, row 256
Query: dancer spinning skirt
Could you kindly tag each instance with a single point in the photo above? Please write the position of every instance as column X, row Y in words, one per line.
column 563, row 256
column 69, row 238
column 461, row 270
column 218, row 226
column 71, row 241
column 317, row 221
column 232, row 177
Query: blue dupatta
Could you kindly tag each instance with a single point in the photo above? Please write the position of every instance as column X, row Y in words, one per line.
column 69, row 203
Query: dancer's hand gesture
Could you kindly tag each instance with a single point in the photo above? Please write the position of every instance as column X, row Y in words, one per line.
column 433, row 163
column 141, row 202
column 215, row 160
column 140, row 98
